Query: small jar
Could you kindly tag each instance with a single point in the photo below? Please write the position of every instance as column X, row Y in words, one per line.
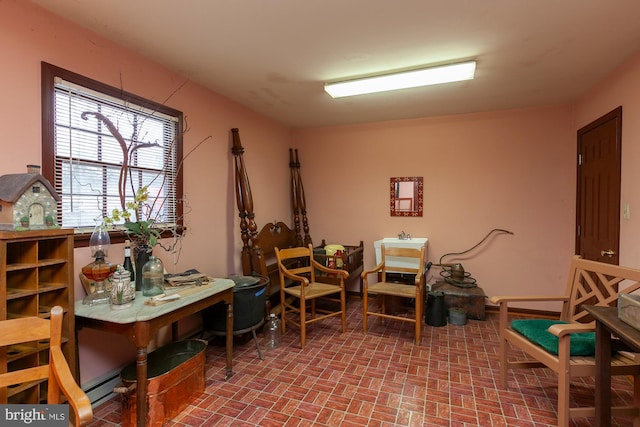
column 153, row 277
column 122, row 291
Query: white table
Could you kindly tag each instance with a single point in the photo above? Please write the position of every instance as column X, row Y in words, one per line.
column 140, row 322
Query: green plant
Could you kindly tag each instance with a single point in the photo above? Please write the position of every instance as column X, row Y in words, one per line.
column 140, row 231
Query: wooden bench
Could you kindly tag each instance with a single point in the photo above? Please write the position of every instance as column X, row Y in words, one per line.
column 589, row 283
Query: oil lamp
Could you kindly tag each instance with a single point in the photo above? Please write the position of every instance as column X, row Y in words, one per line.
column 99, row 270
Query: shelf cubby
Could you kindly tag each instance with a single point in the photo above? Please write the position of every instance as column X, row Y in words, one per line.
column 38, row 274
column 21, row 253
column 21, row 282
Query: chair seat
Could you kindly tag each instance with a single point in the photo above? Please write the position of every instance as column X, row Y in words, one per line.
column 313, row 290
column 537, row 331
column 396, row 289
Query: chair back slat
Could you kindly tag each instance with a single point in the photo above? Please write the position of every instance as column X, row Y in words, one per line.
column 594, row 283
column 24, row 329
column 35, row 373
column 298, row 261
column 410, row 255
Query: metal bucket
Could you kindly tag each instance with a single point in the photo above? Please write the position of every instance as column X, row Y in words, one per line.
column 457, row 316
column 175, row 375
column 249, row 299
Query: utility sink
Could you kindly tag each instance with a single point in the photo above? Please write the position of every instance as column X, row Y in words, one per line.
column 414, row 242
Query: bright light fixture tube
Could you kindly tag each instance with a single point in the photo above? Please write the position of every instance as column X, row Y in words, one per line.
column 403, row 80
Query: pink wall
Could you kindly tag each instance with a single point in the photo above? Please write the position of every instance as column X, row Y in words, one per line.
column 622, row 87
column 29, row 35
column 512, row 170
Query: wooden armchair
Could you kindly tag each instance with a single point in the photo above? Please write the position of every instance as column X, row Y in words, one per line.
column 592, row 283
column 306, row 288
column 28, row 332
column 406, row 257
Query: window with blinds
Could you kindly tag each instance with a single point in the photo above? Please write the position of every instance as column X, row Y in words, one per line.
column 87, row 158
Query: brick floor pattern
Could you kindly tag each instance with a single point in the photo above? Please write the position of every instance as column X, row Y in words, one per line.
column 380, row 379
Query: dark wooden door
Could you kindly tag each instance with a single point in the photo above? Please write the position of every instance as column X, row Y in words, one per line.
column 598, row 193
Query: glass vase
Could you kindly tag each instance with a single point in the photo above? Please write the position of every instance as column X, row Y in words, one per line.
column 141, row 255
column 153, row 277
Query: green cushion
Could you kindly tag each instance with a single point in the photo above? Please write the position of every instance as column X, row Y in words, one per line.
column 535, row 330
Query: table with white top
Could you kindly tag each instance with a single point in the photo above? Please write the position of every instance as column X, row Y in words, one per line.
column 140, row 322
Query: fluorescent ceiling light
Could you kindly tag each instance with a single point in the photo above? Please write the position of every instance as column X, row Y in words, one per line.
column 403, row 80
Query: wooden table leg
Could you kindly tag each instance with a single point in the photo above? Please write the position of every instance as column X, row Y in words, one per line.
column 229, row 339
column 603, row 376
column 141, row 386
column 141, row 333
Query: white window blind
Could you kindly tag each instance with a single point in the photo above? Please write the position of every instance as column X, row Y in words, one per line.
column 88, row 158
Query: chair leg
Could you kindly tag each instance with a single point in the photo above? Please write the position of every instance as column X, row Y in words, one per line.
column 418, row 311
column 365, row 304
column 564, row 382
column 504, row 347
column 563, row 400
column 503, row 363
column 283, row 311
column 343, row 308
column 303, row 324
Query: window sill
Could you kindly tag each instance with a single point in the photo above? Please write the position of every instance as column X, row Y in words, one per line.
column 81, row 237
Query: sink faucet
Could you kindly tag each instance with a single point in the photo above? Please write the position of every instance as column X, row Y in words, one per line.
column 404, row 236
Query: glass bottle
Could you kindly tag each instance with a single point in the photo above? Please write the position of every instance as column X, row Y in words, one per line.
column 153, row 277
column 128, row 265
column 272, row 332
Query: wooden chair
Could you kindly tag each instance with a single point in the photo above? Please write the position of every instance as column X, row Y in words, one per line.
column 589, row 283
column 406, row 257
column 305, row 289
column 26, row 332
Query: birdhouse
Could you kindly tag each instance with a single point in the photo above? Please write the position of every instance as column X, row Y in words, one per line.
column 27, row 201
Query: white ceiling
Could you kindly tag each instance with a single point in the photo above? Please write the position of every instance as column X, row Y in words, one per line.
column 273, row 56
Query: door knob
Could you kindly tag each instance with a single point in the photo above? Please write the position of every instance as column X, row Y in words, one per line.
column 608, row 253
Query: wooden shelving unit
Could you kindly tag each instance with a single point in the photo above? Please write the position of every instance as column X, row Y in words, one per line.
column 36, row 273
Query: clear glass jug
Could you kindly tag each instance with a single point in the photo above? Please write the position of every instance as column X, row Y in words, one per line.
column 153, row 277
column 272, row 332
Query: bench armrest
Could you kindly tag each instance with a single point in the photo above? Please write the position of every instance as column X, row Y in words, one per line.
column 561, row 330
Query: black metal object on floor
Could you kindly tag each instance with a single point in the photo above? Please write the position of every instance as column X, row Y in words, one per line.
column 249, row 305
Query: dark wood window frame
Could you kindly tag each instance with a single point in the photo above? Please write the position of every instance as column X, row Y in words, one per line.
column 49, row 73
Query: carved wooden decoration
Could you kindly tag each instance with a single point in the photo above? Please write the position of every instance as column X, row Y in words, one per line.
column 244, row 200
column 298, row 201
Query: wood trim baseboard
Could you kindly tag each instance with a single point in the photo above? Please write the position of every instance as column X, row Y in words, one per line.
column 526, row 312
column 520, row 312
